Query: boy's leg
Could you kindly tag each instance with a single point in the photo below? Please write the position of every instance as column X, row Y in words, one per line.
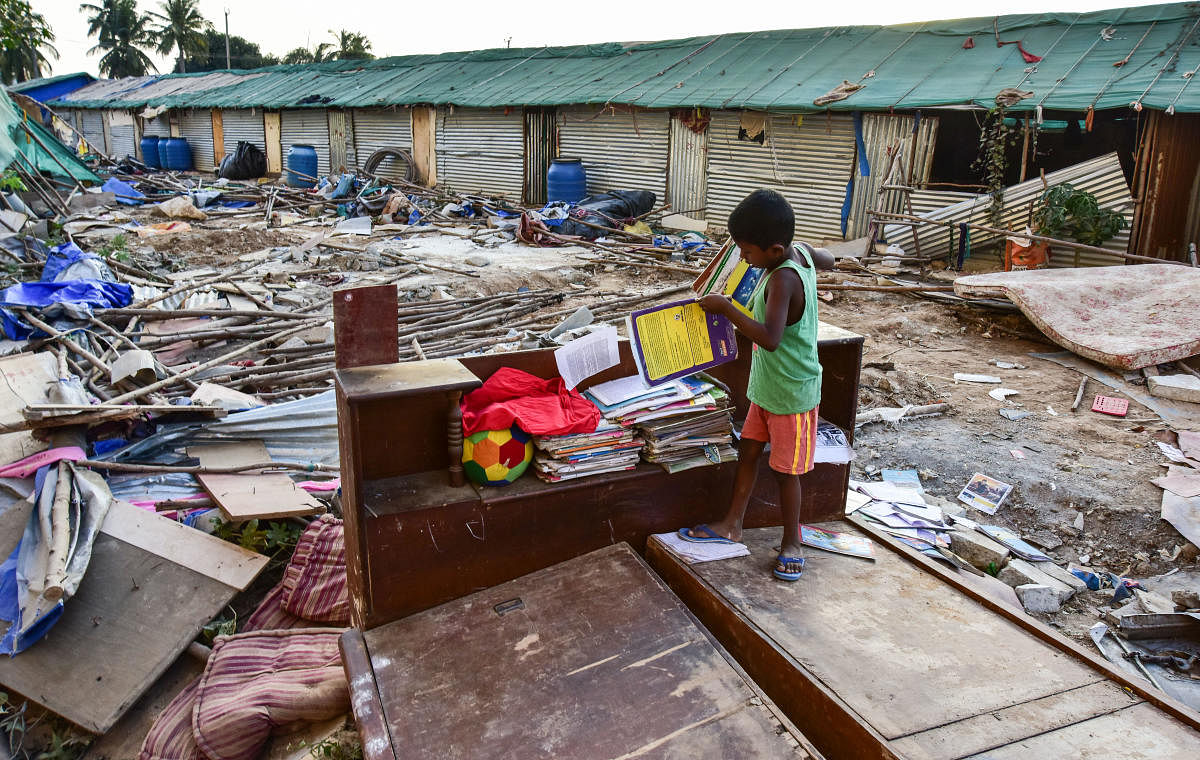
column 789, row 504
column 730, row 526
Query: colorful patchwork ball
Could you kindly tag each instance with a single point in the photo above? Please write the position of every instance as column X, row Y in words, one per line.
column 497, row 457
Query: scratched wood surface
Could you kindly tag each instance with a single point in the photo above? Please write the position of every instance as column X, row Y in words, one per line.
column 597, row 659
column 927, row 670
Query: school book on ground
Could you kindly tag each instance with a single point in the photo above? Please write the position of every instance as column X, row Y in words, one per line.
column 840, row 543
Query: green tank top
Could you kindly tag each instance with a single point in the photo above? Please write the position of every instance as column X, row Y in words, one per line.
column 788, row 379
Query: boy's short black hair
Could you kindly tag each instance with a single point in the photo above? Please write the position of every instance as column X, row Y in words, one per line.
column 763, row 218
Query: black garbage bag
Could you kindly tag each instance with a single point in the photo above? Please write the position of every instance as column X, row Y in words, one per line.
column 246, row 162
column 607, row 210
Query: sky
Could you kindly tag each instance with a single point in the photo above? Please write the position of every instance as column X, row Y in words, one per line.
column 397, row 28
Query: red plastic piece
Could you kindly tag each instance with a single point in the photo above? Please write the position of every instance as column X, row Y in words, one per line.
column 1117, row 407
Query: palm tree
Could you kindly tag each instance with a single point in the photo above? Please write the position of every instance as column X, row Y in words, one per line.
column 319, row 54
column 351, row 46
column 25, row 36
column 121, row 32
column 183, row 28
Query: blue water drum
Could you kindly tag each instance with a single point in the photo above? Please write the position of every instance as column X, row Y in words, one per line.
column 150, row 152
column 175, row 154
column 302, row 163
column 566, row 180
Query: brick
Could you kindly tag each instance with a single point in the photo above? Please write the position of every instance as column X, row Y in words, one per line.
column 978, row 549
column 1176, row 387
column 1036, row 597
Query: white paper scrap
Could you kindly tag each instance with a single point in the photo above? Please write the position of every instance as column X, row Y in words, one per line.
column 964, row 377
column 702, row 552
column 584, row 357
column 1002, row 393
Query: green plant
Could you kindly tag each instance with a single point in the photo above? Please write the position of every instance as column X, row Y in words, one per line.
column 63, row 747
column 117, row 248
column 220, row 626
column 10, row 182
column 1067, row 211
column 12, row 722
column 995, row 139
column 333, row 749
column 992, row 569
column 275, row 540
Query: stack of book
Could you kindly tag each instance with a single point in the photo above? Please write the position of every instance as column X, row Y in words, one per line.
column 611, row 448
column 684, row 423
column 729, row 275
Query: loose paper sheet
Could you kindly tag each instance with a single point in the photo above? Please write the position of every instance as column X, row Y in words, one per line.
column 584, row 357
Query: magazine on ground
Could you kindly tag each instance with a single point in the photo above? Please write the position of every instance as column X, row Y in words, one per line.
column 839, row 543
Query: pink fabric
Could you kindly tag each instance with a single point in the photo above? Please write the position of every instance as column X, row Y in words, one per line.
column 314, row 583
column 26, row 467
column 271, row 616
column 539, row 407
column 170, row 738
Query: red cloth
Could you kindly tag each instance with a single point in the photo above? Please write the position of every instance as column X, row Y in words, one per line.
column 539, row 407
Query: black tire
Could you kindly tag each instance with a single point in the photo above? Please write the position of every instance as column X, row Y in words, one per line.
column 397, row 155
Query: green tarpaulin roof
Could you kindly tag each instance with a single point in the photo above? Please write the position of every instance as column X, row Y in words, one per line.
column 939, row 63
column 15, row 140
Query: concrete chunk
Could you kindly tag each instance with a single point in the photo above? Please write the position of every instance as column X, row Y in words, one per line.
column 1176, row 387
column 1061, row 574
column 1018, row 572
column 977, row 548
column 1036, row 597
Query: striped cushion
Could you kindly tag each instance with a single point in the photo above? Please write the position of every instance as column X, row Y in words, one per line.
column 170, row 737
column 270, row 614
column 265, row 682
column 314, row 584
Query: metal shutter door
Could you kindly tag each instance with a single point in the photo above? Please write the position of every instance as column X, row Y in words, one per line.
column 156, row 127
column 809, row 163
column 481, row 150
column 243, row 124
column 122, row 141
column 92, row 126
column 308, row 127
column 620, row 151
column 375, row 128
column 196, row 126
column 689, row 170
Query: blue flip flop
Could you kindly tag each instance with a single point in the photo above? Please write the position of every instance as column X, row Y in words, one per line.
column 709, row 537
column 784, row 575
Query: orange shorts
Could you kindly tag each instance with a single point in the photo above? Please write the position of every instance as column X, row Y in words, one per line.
column 793, row 437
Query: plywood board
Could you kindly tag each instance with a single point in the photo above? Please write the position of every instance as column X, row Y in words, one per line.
column 251, row 496
column 135, row 611
column 26, row 379
column 595, row 658
column 902, row 650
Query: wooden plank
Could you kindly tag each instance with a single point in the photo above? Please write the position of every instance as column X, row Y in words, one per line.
column 365, row 330
column 220, row 560
column 893, row 643
column 365, row 697
column 1140, row 732
column 251, row 496
column 337, row 140
column 274, row 148
column 424, row 138
column 1013, row 724
column 26, row 380
column 567, row 662
column 218, row 133
column 133, row 614
column 434, row 377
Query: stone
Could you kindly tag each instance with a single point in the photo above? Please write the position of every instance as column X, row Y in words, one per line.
column 1036, row 597
column 977, row 549
column 1044, row 539
column 1062, row 575
column 1189, row 552
column 1175, row 387
column 1077, row 524
column 477, row 260
column 1189, row 599
column 1018, row 572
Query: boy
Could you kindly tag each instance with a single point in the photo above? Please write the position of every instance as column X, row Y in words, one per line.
column 785, row 376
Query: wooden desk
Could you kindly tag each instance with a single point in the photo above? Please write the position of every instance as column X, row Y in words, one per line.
column 413, row 541
column 568, row 662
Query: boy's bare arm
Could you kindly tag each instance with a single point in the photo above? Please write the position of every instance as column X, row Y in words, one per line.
column 784, row 286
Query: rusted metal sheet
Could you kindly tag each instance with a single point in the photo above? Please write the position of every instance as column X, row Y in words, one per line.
column 687, row 188
column 894, row 156
column 541, row 145
column 621, row 148
column 365, row 328
column 1167, row 217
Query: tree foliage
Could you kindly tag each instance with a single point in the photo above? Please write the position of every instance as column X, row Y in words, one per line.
column 123, row 34
column 26, row 38
column 182, row 28
column 243, row 54
column 350, row 46
column 318, row 54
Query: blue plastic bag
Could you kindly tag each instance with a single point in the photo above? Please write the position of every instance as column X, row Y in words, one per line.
column 125, row 192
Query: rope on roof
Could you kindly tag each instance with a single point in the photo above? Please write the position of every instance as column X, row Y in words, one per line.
column 785, row 69
column 1099, row 38
column 1137, row 104
column 1117, row 66
column 684, row 59
column 1033, row 69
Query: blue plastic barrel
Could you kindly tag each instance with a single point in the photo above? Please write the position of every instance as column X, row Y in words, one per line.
column 566, row 180
column 302, row 160
column 150, row 152
column 175, row 154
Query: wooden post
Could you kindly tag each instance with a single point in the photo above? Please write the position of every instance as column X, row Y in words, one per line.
column 1025, row 150
column 218, row 133
column 271, row 130
column 424, row 137
column 454, row 439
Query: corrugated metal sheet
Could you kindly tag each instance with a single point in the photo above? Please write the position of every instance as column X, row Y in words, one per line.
column 903, row 67
column 196, row 125
column 621, row 149
column 541, row 146
column 687, row 189
column 159, row 126
column 481, row 151
column 308, row 127
column 371, row 129
column 243, row 124
column 92, row 126
column 1100, row 176
column 808, row 162
column 891, row 160
column 122, row 141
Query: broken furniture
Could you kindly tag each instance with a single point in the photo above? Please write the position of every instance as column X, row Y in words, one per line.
column 566, row 662
column 884, row 659
column 1125, row 317
column 414, row 541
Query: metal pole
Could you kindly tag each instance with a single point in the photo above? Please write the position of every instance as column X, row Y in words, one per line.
column 227, row 65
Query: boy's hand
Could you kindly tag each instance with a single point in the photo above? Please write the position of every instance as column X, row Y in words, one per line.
column 715, row 303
